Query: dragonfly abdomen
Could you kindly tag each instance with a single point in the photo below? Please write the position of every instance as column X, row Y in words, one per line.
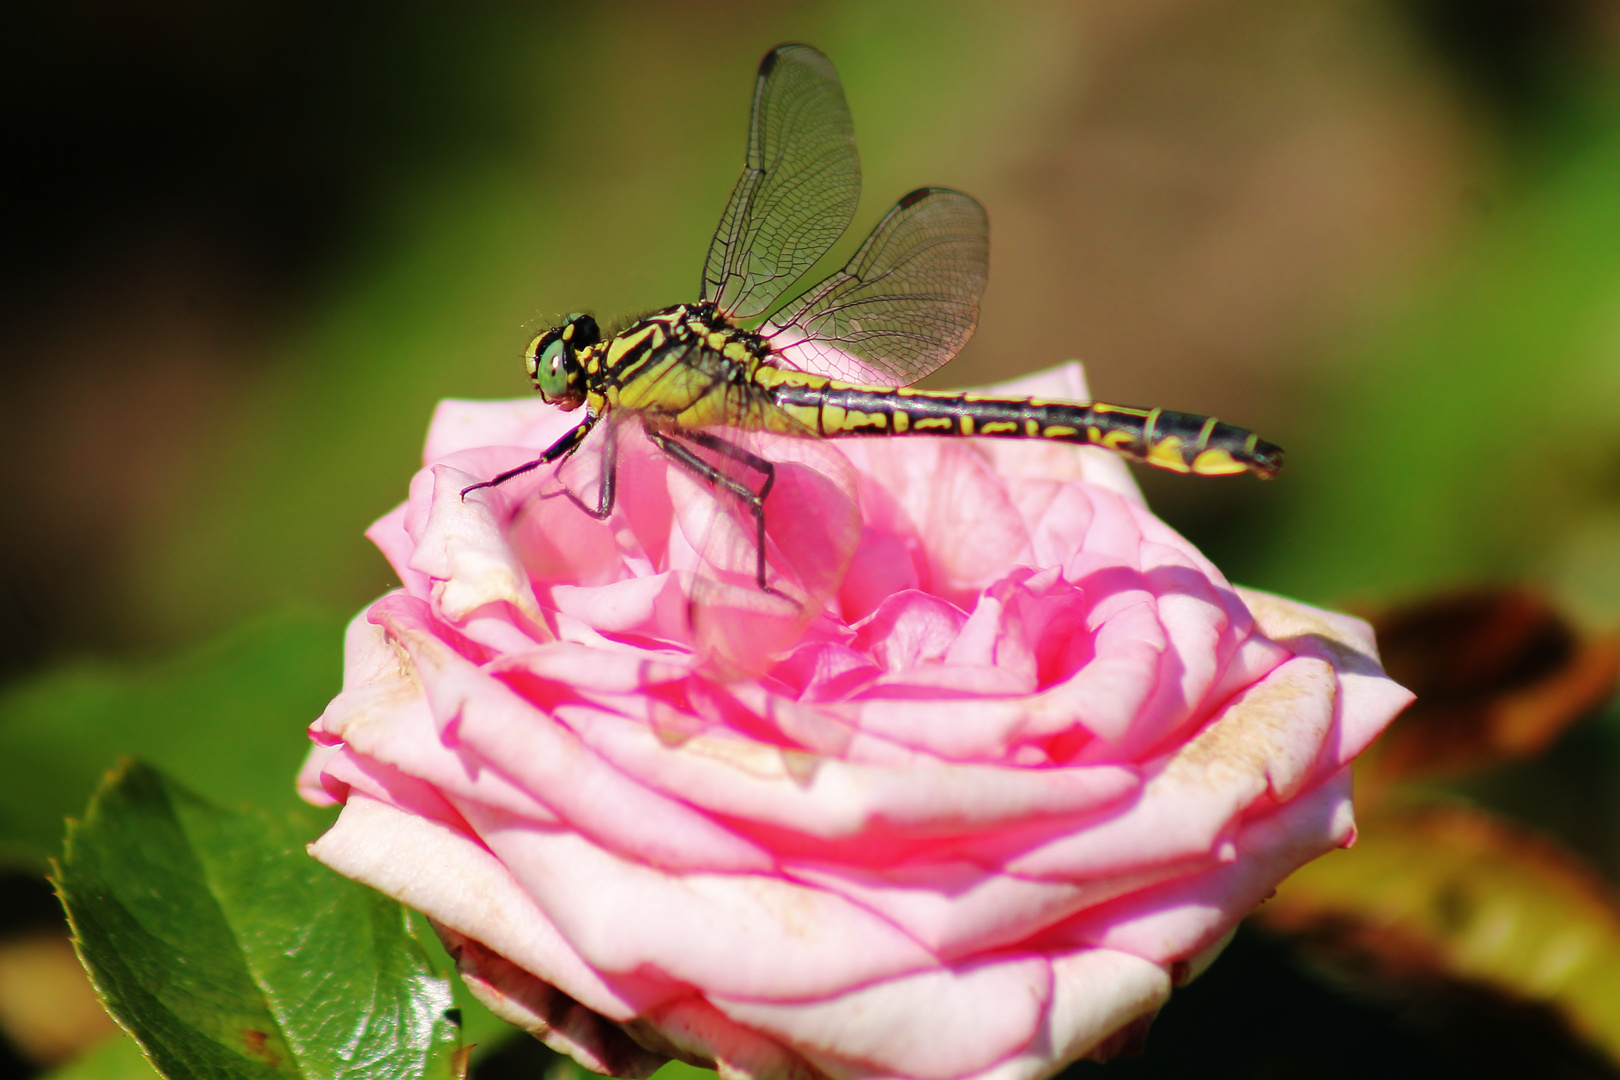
column 1181, row 442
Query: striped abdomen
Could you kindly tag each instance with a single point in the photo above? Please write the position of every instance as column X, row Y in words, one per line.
column 1181, row 442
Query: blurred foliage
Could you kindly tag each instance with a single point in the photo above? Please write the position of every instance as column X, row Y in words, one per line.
column 227, row 717
column 118, row 1058
column 1434, row 894
column 1264, row 1013
column 1499, row 674
column 274, row 124
column 1515, row 56
column 1476, row 439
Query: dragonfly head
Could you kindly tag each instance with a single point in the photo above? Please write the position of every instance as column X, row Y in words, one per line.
column 553, row 360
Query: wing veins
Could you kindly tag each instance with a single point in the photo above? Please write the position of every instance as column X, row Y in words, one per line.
column 905, row 303
column 798, row 188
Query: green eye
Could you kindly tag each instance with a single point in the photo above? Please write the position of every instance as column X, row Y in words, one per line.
column 551, row 370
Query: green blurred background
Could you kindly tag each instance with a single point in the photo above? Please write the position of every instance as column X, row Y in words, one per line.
column 246, row 248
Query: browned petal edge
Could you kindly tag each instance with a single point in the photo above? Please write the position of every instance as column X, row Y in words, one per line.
column 1127, row 1041
column 637, row 1049
column 1185, row 971
column 1130, row 1039
column 548, row 1014
column 735, row 1052
column 632, row 1050
column 1499, row 672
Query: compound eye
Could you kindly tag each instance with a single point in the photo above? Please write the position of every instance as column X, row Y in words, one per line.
column 552, row 369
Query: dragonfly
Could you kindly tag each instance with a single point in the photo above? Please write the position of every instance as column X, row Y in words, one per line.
column 836, row 360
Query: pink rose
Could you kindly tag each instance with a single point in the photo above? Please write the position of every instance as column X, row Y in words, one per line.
column 1024, row 776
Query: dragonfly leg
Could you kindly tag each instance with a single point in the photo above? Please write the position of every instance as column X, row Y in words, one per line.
column 555, row 452
column 754, row 501
column 736, row 453
column 606, row 487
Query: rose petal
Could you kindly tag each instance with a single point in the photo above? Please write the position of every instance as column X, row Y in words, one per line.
column 756, row 782
column 1179, row 919
column 467, row 425
column 547, row 1013
column 454, row 880
column 1261, row 743
column 464, row 551
column 748, row 935
column 1095, row 992
column 932, row 1025
column 389, row 534
column 944, row 494
column 1369, row 699
column 693, row 1030
column 311, row 785
column 494, row 730
column 959, row 908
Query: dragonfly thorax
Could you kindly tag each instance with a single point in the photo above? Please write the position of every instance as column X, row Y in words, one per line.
column 661, row 360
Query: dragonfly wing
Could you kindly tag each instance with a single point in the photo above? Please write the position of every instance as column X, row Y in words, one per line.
column 798, row 190
column 905, row 304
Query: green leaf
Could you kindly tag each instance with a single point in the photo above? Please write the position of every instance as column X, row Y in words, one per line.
column 680, row 1070
column 230, row 953
column 228, row 718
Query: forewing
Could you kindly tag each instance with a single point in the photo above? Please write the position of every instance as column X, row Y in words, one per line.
column 798, row 190
column 905, row 304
